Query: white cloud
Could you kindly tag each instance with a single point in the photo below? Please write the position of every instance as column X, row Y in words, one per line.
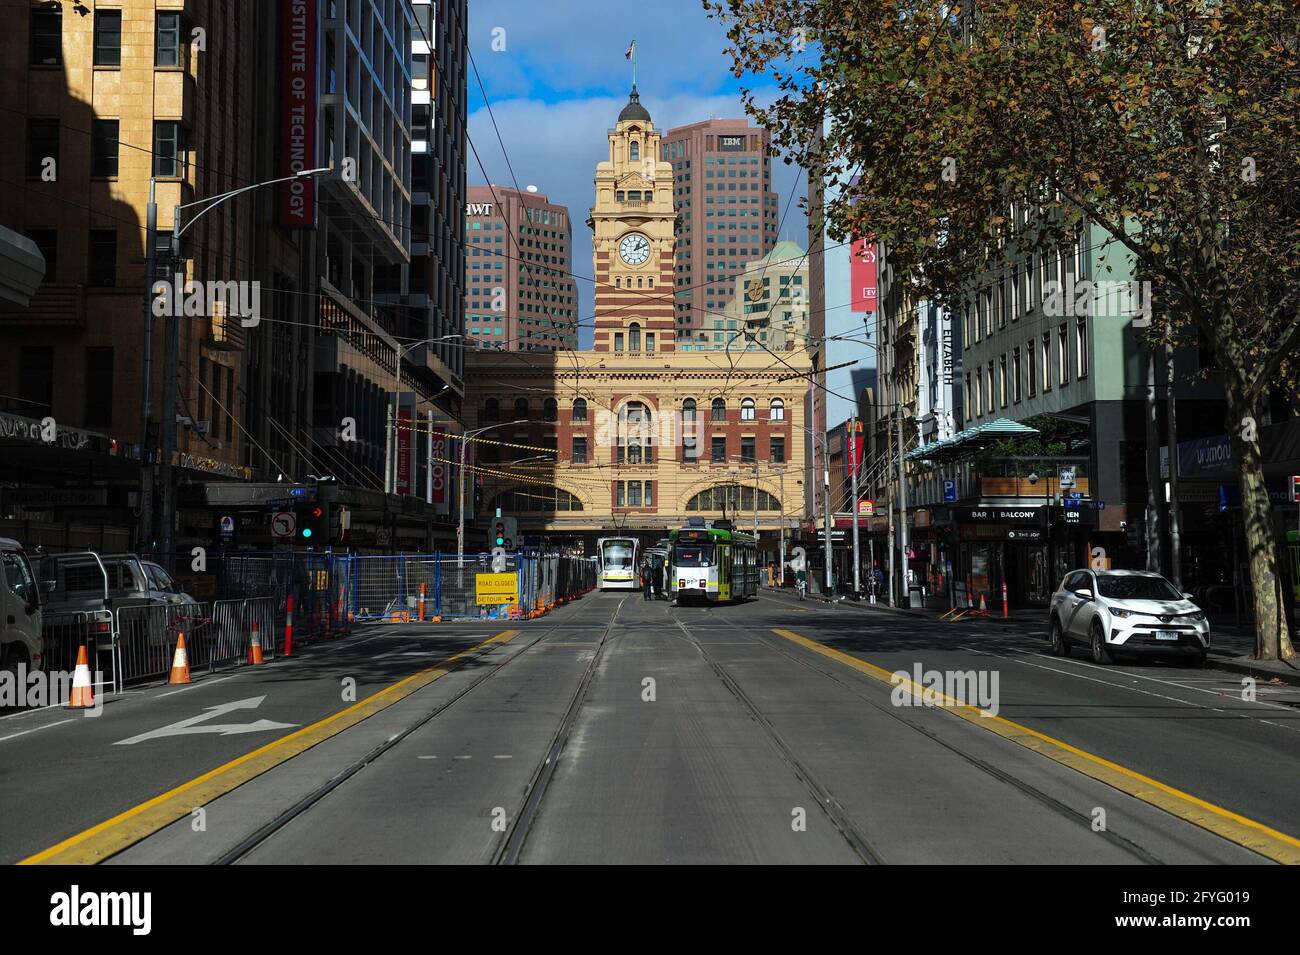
column 577, row 45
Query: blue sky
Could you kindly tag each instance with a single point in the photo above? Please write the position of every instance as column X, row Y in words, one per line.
column 561, row 79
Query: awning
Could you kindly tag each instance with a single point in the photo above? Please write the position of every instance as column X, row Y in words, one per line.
column 22, row 267
column 970, row 440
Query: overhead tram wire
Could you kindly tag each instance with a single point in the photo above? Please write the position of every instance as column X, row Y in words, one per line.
column 391, row 224
column 780, row 224
column 356, row 470
column 465, row 344
column 233, row 418
column 510, row 227
column 510, row 167
column 319, row 295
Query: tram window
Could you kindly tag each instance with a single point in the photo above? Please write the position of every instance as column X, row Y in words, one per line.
column 693, row 556
column 618, row 555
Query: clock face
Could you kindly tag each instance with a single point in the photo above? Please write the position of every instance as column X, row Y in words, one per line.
column 634, row 249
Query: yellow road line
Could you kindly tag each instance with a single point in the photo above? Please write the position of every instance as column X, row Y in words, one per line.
column 1268, row 842
column 139, row 822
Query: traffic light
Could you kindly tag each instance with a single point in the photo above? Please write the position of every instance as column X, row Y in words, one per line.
column 504, row 532
column 313, row 524
column 1295, row 488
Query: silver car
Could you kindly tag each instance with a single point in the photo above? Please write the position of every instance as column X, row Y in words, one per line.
column 1126, row 613
column 94, row 583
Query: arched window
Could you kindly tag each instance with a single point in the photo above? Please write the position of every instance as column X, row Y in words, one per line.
column 747, row 409
column 634, row 337
column 550, row 410
column 719, row 409
column 777, row 410
column 579, row 409
column 491, row 410
column 690, row 432
column 635, row 154
column 521, row 409
column 535, row 498
column 634, row 435
column 732, row 498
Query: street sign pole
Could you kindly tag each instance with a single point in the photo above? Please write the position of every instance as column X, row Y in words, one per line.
column 853, row 475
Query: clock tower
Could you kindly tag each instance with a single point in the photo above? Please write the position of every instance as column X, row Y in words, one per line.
column 633, row 223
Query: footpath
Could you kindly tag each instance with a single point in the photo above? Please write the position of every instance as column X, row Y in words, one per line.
column 1230, row 646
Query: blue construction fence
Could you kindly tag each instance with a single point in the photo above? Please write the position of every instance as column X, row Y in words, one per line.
column 332, row 591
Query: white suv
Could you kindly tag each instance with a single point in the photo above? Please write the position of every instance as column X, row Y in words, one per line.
column 1129, row 612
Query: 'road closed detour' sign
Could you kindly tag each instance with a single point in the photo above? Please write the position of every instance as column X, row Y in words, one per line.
column 494, row 588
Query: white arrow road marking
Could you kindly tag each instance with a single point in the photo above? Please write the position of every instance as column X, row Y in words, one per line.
column 196, row 724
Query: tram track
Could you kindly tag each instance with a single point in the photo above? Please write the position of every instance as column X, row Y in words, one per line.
column 510, row 849
column 305, row 804
column 825, row 799
column 1045, row 799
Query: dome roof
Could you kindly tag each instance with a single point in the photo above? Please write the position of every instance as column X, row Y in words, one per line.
column 634, row 109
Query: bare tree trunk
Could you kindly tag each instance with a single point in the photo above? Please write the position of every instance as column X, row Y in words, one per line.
column 1272, row 633
column 1155, row 487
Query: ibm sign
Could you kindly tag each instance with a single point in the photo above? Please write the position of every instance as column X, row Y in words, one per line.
column 731, row 144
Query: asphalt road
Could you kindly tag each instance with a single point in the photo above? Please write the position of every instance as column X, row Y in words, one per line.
column 615, row 730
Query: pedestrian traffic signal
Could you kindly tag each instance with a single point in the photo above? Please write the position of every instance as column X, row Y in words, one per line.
column 313, row 524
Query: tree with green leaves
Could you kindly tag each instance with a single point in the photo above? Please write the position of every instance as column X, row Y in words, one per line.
column 957, row 134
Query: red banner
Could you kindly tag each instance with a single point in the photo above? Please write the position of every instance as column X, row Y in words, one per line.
column 439, row 468
column 853, row 447
column 298, row 94
column 405, row 445
column 862, row 275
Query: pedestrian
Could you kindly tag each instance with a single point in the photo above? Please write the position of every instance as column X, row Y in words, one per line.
column 801, row 581
column 645, row 581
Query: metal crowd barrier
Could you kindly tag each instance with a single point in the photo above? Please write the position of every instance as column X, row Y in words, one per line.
column 63, row 635
column 230, row 637
column 215, row 636
column 146, row 638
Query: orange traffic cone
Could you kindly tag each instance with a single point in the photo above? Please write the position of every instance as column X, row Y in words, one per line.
column 255, row 646
column 83, row 691
column 984, row 607
column 180, row 663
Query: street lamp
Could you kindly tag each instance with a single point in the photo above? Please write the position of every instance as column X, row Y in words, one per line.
column 465, row 438
column 172, row 357
column 390, row 442
column 390, row 427
column 403, row 349
column 826, row 495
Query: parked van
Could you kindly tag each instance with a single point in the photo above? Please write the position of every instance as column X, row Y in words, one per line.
column 20, row 610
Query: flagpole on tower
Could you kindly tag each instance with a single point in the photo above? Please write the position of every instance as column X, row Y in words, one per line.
column 631, row 55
